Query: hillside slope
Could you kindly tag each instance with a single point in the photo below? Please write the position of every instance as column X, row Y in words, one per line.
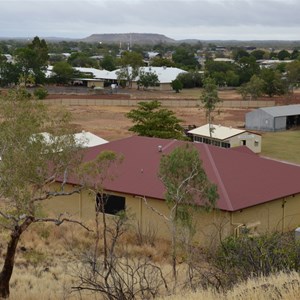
column 132, row 38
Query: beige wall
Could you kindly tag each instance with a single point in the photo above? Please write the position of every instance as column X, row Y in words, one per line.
column 250, row 139
column 95, row 84
column 210, row 227
column 278, row 215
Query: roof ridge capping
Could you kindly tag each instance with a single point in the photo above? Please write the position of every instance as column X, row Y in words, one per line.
column 217, row 174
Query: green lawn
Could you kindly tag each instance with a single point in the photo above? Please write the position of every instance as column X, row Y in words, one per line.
column 283, row 145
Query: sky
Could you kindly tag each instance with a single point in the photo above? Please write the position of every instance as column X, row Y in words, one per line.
column 177, row 19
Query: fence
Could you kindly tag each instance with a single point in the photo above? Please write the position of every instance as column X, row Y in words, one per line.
column 168, row 103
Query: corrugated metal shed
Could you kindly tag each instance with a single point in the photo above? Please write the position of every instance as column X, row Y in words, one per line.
column 273, row 118
column 280, row 111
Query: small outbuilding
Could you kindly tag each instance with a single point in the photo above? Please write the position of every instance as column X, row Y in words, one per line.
column 226, row 137
column 274, row 118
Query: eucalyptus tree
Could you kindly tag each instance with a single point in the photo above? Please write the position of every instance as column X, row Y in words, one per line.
column 30, row 167
column 187, row 187
column 210, row 99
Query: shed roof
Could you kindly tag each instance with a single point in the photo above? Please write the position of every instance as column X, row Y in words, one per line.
column 83, row 139
column 164, row 74
column 99, row 74
column 243, row 178
column 218, row 132
column 88, row 139
column 281, row 111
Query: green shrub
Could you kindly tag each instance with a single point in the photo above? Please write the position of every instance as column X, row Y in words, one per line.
column 176, row 85
column 41, row 93
column 239, row 258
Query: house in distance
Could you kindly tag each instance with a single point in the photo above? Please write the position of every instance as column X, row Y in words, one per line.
column 226, row 137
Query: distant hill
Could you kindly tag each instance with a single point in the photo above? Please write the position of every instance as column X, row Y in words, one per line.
column 132, row 38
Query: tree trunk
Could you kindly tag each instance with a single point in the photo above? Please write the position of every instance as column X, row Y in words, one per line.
column 209, row 125
column 104, row 238
column 95, row 258
column 174, row 247
column 9, row 261
column 8, row 266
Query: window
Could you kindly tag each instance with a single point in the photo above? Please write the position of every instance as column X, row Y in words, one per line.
column 216, row 143
column 110, row 204
column 206, row 141
column 197, row 139
column 225, row 145
column 256, row 143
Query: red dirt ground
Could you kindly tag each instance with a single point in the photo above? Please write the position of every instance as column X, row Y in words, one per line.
column 111, row 123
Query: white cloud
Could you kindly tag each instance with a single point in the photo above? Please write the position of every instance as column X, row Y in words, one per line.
column 202, row 19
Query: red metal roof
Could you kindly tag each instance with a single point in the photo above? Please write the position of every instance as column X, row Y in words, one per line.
column 243, row 178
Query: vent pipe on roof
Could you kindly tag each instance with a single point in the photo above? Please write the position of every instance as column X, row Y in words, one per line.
column 159, row 148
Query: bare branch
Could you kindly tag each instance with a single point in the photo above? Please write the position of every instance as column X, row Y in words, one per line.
column 48, row 195
column 58, row 221
column 8, row 217
column 154, row 210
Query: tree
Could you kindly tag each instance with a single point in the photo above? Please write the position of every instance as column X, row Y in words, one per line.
column 224, row 73
column 190, row 79
column 247, row 68
column 184, row 58
column 231, row 78
column 29, row 168
column 62, row 72
column 293, row 73
column 161, row 62
column 151, row 120
column 258, row 54
column 283, row 55
column 108, row 63
column 147, row 79
column 187, row 187
column 95, row 172
column 176, row 85
column 273, row 83
column 79, row 59
column 254, row 88
column 9, row 73
column 239, row 53
column 130, row 64
column 295, row 54
column 210, row 99
column 33, row 60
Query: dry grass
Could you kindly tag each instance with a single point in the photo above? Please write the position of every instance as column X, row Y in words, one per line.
column 284, row 286
column 47, row 265
column 111, row 123
column 47, row 259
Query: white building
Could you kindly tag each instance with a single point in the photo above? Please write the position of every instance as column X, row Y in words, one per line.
column 226, row 137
